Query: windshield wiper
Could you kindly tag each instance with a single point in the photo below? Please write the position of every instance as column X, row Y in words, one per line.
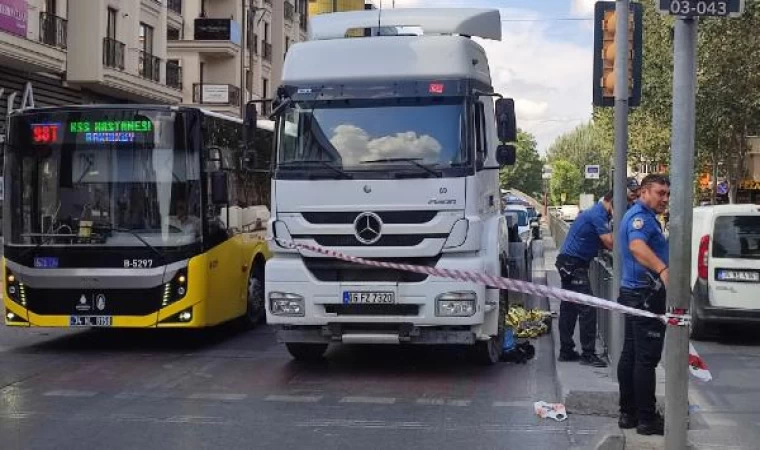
column 137, row 236
column 415, row 161
column 338, row 170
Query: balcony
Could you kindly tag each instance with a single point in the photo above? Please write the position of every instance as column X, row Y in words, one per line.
column 213, row 37
column 216, row 94
column 113, row 53
column 173, row 75
column 267, row 51
column 53, row 30
column 290, row 11
column 175, row 6
column 149, row 66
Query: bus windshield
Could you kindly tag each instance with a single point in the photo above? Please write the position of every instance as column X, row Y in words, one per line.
column 100, row 176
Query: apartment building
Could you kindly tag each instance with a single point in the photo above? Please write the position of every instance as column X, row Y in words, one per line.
column 196, row 52
column 226, row 52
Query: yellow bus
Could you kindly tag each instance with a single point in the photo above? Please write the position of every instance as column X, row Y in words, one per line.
column 132, row 216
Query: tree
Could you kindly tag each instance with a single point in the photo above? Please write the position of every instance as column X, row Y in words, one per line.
column 583, row 146
column 566, row 178
column 525, row 175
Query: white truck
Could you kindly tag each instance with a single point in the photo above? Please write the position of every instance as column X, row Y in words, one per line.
column 388, row 148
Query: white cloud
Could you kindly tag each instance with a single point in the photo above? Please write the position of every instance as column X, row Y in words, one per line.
column 550, row 79
column 355, row 145
column 582, row 8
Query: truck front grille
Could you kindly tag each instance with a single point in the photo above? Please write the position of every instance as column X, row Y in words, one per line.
column 388, row 240
column 393, row 217
column 373, row 310
column 330, row 270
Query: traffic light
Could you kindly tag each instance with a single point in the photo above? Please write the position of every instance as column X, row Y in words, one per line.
column 604, row 53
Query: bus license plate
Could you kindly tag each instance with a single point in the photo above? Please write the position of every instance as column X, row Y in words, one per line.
column 371, row 298
column 90, row 321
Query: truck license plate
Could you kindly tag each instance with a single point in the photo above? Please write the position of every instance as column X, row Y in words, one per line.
column 90, row 321
column 368, row 298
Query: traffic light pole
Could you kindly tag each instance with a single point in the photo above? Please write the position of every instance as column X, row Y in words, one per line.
column 681, row 203
column 620, row 199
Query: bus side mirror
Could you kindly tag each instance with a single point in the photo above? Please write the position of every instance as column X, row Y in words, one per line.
column 506, row 155
column 506, row 123
column 249, row 125
column 219, row 194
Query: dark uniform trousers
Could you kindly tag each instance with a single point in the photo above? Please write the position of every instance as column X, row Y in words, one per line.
column 574, row 275
column 642, row 350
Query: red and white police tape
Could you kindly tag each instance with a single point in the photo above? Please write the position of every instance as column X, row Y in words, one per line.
column 697, row 366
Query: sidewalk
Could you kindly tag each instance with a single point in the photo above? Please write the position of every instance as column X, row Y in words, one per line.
column 590, row 391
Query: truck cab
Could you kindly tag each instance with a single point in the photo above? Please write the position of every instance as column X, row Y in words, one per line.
column 389, row 148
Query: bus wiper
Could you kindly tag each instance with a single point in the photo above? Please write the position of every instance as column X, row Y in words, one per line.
column 338, row 170
column 415, row 161
column 158, row 253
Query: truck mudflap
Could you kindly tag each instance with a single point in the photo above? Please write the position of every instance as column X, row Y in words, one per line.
column 372, row 334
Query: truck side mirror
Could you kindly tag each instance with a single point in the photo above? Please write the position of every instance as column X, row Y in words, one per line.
column 506, row 155
column 506, row 122
column 219, row 194
column 249, row 125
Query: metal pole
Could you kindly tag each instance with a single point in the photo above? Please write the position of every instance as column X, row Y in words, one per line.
column 243, row 32
column 681, row 204
column 620, row 199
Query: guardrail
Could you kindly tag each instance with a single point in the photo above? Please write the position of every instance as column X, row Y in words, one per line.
column 600, row 275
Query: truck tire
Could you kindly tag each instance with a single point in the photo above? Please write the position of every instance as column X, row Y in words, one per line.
column 489, row 352
column 698, row 327
column 255, row 313
column 306, row 352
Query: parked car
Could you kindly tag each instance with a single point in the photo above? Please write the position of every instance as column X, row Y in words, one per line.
column 725, row 274
column 523, row 220
column 569, row 213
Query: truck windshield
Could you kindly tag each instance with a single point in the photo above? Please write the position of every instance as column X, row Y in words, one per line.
column 373, row 136
column 102, row 177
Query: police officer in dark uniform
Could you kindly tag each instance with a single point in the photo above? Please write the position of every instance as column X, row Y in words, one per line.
column 632, row 191
column 644, row 251
column 588, row 232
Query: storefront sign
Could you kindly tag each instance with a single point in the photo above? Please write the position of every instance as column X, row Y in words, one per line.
column 13, row 16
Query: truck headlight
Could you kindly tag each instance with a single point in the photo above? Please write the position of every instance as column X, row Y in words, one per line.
column 284, row 304
column 455, row 304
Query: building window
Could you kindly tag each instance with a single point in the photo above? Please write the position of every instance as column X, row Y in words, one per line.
column 266, row 31
column 146, row 38
column 173, row 34
column 111, row 26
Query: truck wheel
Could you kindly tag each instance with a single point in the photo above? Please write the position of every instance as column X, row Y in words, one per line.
column 698, row 327
column 489, row 352
column 255, row 312
column 306, row 352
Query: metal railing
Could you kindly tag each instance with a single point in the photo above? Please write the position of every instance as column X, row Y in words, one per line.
column 173, row 75
column 267, row 50
column 113, row 53
column 600, row 275
column 175, row 5
column 149, row 66
column 53, row 30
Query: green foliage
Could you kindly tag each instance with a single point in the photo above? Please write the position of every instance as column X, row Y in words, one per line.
column 585, row 145
column 525, row 175
column 567, row 178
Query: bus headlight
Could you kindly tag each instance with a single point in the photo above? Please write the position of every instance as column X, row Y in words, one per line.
column 455, row 304
column 284, row 304
column 176, row 289
column 15, row 288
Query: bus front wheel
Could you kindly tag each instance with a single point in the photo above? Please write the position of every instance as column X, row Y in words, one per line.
column 306, row 352
column 255, row 312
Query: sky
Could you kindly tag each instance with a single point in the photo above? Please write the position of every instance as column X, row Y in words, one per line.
column 543, row 63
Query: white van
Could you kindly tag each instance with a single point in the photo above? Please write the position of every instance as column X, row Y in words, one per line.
column 725, row 264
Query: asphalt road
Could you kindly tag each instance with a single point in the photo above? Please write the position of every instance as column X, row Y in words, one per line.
column 232, row 389
column 726, row 411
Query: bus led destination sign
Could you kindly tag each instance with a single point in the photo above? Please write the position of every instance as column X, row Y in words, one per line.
column 111, row 126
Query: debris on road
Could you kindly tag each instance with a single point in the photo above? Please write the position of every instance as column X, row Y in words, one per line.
column 554, row 411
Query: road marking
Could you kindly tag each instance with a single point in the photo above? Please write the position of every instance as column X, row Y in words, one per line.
column 294, row 398
column 442, row 402
column 515, row 404
column 134, row 395
column 218, row 396
column 373, row 400
column 349, row 423
column 69, row 393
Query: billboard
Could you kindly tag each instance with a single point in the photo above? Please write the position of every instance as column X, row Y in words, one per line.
column 13, row 16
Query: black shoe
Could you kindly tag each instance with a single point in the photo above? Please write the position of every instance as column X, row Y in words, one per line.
column 568, row 356
column 592, row 360
column 652, row 427
column 627, row 421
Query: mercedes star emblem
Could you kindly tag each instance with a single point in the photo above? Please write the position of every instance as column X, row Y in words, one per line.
column 367, row 189
column 367, row 228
